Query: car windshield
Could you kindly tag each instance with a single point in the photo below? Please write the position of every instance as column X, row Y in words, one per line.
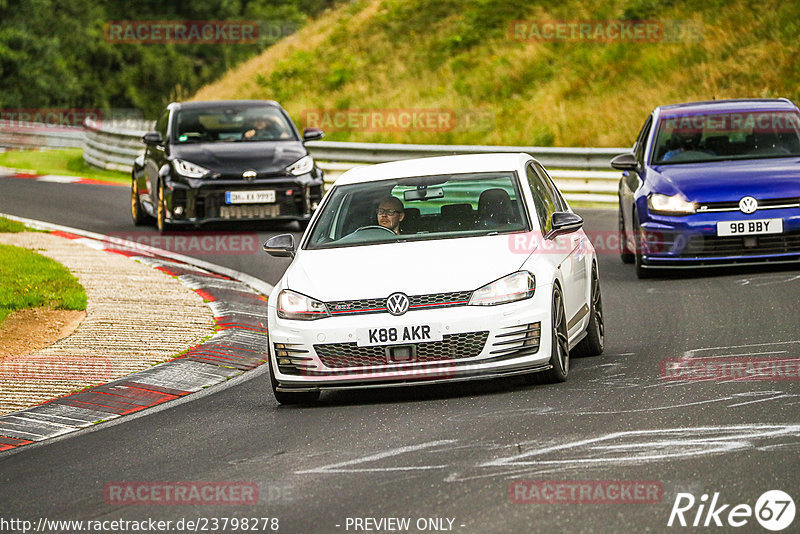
column 232, row 124
column 420, row 208
column 726, row 136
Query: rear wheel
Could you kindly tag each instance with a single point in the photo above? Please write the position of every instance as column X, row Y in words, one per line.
column 559, row 349
column 137, row 214
column 594, row 342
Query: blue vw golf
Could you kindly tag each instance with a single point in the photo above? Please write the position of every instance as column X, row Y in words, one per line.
column 712, row 183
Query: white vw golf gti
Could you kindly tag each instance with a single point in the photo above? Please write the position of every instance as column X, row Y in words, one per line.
column 434, row 270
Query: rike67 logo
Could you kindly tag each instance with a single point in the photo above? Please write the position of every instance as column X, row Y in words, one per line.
column 774, row 510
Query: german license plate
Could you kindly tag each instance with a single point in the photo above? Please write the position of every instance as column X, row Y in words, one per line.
column 754, row 227
column 392, row 335
column 249, row 197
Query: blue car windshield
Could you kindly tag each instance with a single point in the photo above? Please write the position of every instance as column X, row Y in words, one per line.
column 726, row 136
column 420, row 208
column 214, row 125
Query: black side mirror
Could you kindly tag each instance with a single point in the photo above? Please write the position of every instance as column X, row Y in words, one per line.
column 152, row 138
column 312, row 134
column 280, row 246
column 625, row 162
column 564, row 222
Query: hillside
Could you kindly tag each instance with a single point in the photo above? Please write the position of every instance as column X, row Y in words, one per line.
column 479, row 69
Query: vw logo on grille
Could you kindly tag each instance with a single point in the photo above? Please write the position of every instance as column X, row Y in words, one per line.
column 249, row 175
column 397, row 303
column 748, row 205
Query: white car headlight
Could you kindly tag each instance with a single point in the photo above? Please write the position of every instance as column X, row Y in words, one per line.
column 517, row 286
column 301, row 166
column 293, row 305
column 189, row 169
column 670, row 205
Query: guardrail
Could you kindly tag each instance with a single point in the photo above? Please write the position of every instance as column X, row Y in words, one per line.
column 35, row 135
column 583, row 174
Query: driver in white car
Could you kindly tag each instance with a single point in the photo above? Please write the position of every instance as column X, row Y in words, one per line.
column 391, row 213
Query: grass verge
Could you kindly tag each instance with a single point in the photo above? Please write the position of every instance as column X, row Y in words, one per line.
column 67, row 162
column 8, row 226
column 30, row 280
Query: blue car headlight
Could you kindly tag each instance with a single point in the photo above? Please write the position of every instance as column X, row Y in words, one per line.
column 670, row 205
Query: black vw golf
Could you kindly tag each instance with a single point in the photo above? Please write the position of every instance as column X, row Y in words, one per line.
column 225, row 161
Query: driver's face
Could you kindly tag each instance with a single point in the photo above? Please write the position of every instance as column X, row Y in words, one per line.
column 389, row 216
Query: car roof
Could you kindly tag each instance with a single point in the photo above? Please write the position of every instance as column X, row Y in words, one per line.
column 212, row 104
column 722, row 106
column 458, row 164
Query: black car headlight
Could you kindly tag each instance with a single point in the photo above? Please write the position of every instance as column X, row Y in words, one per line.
column 301, row 166
column 189, row 169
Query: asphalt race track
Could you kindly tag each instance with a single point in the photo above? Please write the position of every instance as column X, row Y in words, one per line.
column 458, row 458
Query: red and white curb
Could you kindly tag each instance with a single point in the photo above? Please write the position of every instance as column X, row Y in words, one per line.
column 238, row 346
column 60, row 178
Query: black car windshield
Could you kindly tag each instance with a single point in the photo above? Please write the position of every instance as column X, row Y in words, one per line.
column 726, row 136
column 217, row 124
column 420, row 208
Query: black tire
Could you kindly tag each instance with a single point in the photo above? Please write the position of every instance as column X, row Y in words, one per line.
column 625, row 253
column 283, row 397
column 559, row 350
column 594, row 342
column 137, row 214
column 161, row 211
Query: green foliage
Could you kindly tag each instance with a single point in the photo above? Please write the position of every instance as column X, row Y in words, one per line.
column 30, row 280
column 67, row 161
column 54, row 53
column 8, row 226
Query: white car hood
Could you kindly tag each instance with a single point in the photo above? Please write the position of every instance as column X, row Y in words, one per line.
column 415, row 268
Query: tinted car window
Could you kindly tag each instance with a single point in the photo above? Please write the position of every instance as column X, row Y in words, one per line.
column 161, row 124
column 725, row 136
column 558, row 200
column 641, row 141
column 217, row 124
column 545, row 204
column 434, row 207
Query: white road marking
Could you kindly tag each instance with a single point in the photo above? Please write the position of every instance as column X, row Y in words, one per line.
column 342, row 467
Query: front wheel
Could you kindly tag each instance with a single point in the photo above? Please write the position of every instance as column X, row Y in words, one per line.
column 161, row 211
column 625, row 253
column 559, row 349
column 594, row 342
column 641, row 271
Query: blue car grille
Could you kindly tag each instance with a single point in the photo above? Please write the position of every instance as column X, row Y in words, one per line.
column 763, row 204
column 709, row 246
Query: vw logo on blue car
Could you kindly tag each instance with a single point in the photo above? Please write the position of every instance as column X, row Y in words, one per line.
column 748, row 205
